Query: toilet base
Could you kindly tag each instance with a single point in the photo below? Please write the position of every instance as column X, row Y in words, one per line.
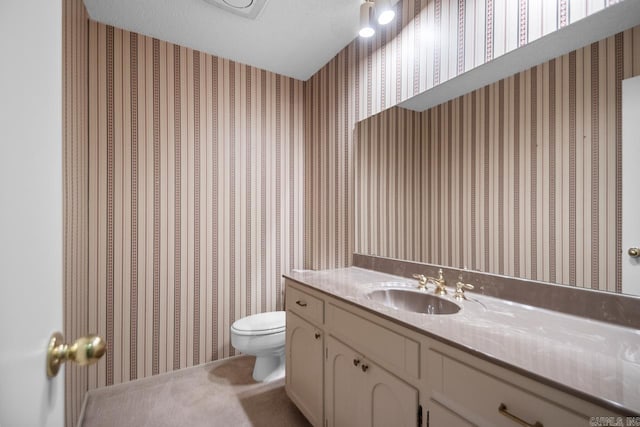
column 268, row 368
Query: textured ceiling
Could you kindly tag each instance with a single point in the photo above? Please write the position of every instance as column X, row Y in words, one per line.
column 290, row 37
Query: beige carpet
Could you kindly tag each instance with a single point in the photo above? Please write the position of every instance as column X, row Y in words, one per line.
column 217, row 394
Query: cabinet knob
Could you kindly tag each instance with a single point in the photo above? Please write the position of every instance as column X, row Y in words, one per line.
column 318, row 335
column 634, row 252
column 356, row 362
column 364, row 368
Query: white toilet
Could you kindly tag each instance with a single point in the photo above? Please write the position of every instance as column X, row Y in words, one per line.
column 262, row 335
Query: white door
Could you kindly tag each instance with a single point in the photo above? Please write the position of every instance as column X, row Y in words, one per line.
column 631, row 186
column 30, row 209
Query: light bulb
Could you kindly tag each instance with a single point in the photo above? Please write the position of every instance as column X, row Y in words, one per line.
column 385, row 17
column 384, row 11
column 366, row 30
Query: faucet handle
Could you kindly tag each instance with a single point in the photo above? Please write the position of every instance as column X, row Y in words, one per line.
column 460, row 287
column 422, row 280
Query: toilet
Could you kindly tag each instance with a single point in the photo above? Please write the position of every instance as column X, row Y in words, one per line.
column 262, row 335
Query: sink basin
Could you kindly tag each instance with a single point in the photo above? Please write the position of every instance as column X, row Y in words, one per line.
column 415, row 301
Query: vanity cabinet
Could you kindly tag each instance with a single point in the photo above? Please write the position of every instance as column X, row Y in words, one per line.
column 361, row 393
column 349, row 366
column 343, row 369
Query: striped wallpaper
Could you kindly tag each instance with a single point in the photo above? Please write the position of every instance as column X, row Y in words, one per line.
column 432, row 42
column 75, row 78
column 521, row 178
column 388, row 169
column 195, row 200
column 192, row 182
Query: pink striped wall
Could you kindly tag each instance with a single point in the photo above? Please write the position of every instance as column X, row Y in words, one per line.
column 434, row 41
column 192, row 182
column 520, row 178
column 195, row 200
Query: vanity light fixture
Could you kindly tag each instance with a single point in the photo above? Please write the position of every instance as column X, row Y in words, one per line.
column 366, row 29
column 384, row 11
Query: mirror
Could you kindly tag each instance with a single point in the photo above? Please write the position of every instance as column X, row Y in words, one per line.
column 520, row 178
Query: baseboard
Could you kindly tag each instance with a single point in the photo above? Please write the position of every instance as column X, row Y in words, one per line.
column 153, row 377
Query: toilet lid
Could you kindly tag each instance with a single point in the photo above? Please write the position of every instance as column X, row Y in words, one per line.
column 261, row 324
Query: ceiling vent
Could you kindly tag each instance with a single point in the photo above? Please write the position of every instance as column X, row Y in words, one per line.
column 246, row 8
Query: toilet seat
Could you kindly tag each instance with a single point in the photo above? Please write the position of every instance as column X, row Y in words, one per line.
column 260, row 324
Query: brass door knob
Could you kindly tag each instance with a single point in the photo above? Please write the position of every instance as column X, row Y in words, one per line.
column 84, row 351
column 634, row 252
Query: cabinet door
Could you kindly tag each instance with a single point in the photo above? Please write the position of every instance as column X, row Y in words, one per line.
column 344, row 382
column 305, row 367
column 360, row 393
column 344, row 385
column 389, row 401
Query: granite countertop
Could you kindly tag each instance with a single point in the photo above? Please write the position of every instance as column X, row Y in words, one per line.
column 593, row 360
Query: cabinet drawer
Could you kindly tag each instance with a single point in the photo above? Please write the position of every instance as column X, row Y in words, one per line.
column 396, row 352
column 307, row 306
column 441, row 416
column 477, row 396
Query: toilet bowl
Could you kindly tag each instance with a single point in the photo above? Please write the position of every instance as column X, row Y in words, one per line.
column 262, row 335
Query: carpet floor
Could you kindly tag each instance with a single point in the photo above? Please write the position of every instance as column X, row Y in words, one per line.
column 221, row 393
